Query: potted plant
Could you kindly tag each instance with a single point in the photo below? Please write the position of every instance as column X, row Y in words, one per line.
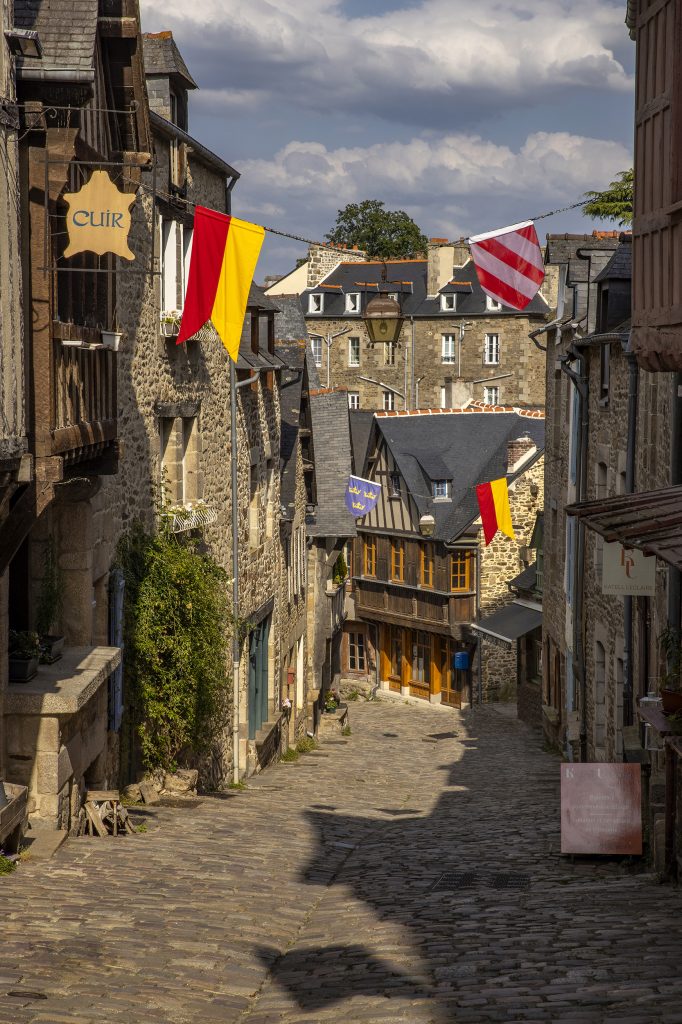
column 331, row 702
column 170, row 322
column 340, row 571
column 49, row 608
column 671, row 683
column 24, row 655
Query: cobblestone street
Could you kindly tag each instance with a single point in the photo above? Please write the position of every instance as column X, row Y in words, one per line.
column 313, row 896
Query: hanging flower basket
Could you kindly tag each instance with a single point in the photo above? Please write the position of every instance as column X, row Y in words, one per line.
column 192, row 516
column 112, row 339
column 170, row 323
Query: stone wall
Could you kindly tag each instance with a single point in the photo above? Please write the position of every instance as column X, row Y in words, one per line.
column 321, row 261
column 519, row 358
column 500, row 562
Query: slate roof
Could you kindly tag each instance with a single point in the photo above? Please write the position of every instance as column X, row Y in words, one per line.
column 408, row 278
column 331, row 444
column 291, row 346
column 247, row 359
column 526, row 580
column 360, row 431
column 67, row 31
column 162, row 57
column 467, row 448
column 619, row 267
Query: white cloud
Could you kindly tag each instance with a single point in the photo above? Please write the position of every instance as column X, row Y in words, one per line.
column 438, row 59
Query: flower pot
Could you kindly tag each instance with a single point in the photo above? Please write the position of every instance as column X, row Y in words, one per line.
column 21, row 670
column 51, row 648
column 672, row 701
column 111, row 339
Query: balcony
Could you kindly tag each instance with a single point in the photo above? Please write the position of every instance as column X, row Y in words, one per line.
column 336, row 596
column 405, row 606
column 83, row 407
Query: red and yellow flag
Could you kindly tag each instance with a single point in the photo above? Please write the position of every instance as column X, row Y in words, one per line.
column 493, row 503
column 225, row 251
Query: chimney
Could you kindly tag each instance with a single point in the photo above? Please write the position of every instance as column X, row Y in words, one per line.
column 462, row 254
column 518, row 449
column 321, row 261
column 441, row 256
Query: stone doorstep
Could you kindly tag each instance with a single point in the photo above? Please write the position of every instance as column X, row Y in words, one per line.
column 43, row 843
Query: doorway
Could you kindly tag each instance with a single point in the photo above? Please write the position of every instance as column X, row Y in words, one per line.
column 258, row 676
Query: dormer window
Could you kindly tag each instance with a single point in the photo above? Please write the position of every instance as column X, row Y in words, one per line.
column 393, row 295
column 448, row 303
column 492, row 305
column 316, row 303
column 353, row 302
column 441, row 489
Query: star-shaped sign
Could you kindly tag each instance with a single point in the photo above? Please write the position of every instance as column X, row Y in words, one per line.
column 98, row 219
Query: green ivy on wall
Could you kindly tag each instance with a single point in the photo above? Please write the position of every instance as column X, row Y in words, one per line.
column 177, row 619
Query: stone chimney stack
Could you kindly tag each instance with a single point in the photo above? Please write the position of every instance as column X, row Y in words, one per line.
column 462, row 254
column 518, row 449
column 321, row 261
column 441, row 258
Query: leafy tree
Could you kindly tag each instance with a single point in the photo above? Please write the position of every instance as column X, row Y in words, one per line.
column 381, row 233
column 615, row 202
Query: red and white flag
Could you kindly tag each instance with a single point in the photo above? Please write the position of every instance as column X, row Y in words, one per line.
column 509, row 264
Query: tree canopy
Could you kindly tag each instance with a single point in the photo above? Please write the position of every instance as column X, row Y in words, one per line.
column 615, row 202
column 381, row 233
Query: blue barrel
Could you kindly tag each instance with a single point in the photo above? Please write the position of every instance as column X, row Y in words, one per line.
column 462, row 661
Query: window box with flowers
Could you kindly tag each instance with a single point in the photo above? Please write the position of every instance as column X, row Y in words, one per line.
column 170, row 322
column 193, row 515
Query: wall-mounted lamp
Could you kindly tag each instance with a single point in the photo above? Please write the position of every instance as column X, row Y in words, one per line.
column 23, row 42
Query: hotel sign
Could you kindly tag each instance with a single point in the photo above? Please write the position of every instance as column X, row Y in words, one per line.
column 99, row 217
column 626, row 572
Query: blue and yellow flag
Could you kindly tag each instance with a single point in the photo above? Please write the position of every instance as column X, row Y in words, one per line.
column 361, row 495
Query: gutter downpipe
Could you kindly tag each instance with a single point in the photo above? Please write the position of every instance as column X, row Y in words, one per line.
column 228, row 193
column 236, row 652
column 412, row 398
column 674, row 575
column 633, row 394
column 580, row 382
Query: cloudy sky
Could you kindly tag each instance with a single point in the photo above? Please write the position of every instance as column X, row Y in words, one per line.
column 468, row 115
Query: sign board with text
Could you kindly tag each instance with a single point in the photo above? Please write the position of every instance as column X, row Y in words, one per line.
column 99, row 218
column 626, row 572
column 601, row 808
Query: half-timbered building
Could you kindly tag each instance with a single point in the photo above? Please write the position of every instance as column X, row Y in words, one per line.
column 420, row 573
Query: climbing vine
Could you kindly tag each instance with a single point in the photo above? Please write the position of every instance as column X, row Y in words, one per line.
column 176, row 646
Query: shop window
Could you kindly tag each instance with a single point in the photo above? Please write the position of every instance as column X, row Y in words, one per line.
column 356, row 652
column 421, row 657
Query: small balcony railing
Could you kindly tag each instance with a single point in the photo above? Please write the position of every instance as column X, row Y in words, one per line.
column 84, row 388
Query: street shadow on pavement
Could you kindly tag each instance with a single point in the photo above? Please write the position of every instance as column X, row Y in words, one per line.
column 318, row 978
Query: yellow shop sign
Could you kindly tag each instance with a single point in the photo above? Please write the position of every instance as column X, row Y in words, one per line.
column 98, row 219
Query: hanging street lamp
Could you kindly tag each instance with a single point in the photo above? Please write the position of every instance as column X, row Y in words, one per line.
column 383, row 316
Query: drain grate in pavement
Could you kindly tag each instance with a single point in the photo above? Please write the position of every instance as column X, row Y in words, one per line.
column 456, row 880
column 510, row 882
column 452, row 880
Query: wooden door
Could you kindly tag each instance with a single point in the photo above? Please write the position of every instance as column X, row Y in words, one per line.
column 453, row 681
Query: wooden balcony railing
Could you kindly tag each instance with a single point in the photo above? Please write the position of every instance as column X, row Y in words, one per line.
column 337, row 608
column 84, row 391
column 392, row 603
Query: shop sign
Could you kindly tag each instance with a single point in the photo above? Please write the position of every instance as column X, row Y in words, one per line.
column 601, row 809
column 626, row 572
column 99, row 217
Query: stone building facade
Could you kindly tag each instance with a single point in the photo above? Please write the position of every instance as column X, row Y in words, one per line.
column 455, row 344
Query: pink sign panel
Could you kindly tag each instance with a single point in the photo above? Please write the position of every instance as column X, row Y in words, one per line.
column 601, row 808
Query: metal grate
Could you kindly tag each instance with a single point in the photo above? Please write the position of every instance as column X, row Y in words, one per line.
column 452, row 880
column 510, row 882
column 456, row 880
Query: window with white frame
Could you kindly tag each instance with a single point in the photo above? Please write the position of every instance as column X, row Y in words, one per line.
column 353, row 351
column 169, row 265
column 491, row 395
column 353, row 302
column 316, row 346
column 389, row 401
column 448, row 348
column 187, row 236
column 448, row 303
column 492, row 305
column 389, row 353
column 356, row 652
column 440, row 489
column 353, row 399
column 316, row 303
column 491, row 350
column 393, row 295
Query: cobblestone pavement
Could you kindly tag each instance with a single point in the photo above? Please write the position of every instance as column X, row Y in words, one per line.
column 312, row 896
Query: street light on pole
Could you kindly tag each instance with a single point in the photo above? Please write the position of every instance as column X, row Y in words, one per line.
column 328, row 339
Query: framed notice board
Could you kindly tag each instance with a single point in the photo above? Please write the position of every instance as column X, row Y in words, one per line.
column 601, row 808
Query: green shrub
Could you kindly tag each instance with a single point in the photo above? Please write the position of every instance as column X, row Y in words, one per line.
column 7, row 866
column 176, row 640
column 290, row 755
column 346, row 731
column 305, row 745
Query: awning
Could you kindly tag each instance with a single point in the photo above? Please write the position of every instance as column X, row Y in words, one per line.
column 505, row 626
column 650, row 521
